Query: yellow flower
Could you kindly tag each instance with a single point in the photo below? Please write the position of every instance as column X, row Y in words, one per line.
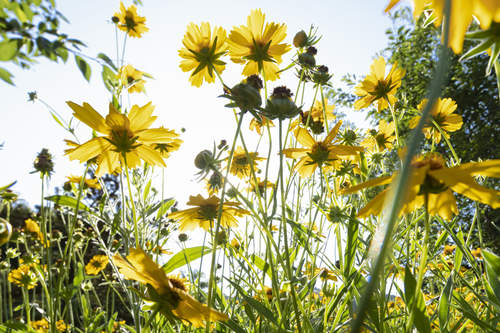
column 205, row 212
column 258, row 45
column 131, row 79
column 61, row 326
column 126, row 138
column 96, row 264
column 461, row 13
column 262, row 185
column 33, row 227
column 169, row 295
column 129, row 21
column 314, row 118
column 88, row 183
column 40, row 326
column 429, row 175
column 257, row 124
column 376, row 88
column 23, row 276
column 477, row 253
column 201, row 52
column 382, row 139
column 448, row 249
column 317, row 153
column 442, row 114
column 242, row 163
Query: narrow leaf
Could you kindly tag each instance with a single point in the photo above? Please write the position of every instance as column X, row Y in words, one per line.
column 185, row 256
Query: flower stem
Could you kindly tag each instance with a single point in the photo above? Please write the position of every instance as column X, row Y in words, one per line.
column 132, row 204
column 443, row 134
column 395, row 120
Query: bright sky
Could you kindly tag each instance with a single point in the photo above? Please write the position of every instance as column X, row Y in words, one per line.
column 353, row 32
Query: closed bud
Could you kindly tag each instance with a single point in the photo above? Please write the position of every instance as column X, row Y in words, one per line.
column 300, row 39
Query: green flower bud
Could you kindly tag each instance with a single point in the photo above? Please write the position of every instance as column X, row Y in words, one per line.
column 280, row 105
column 300, row 39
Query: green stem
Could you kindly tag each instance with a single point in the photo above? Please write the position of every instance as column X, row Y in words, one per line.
column 132, row 204
column 395, row 120
column 443, row 134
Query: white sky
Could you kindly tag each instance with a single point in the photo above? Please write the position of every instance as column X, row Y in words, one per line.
column 353, row 32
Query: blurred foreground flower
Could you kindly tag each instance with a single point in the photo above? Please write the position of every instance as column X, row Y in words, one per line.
column 127, row 140
column 87, row 182
column 205, row 212
column 169, row 295
column 258, row 45
column 127, row 20
column 201, row 52
column 378, row 88
column 430, row 176
column 5, row 231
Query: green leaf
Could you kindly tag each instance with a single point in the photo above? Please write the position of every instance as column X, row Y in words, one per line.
column 8, row 49
column 352, row 246
column 6, row 76
column 108, row 78
column 107, row 60
column 3, row 188
column 62, row 52
column 233, row 326
column 146, row 190
column 458, row 254
column 261, row 264
column 164, row 207
column 492, row 271
column 83, row 66
column 415, row 300
column 185, row 256
column 66, row 201
column 444, row 304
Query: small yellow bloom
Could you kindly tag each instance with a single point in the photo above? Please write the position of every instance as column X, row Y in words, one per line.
column 205, row 212
column 262, row 185
column 130, row 22
column 40, row 326
column 442, row 114
column 61, row 326
column 126, row 138
column 131, row 79
column 169, row 294
column 477, row 253
column 235, row 243
column 378, row 88
column 88, row 183
column 258, row 46
column 257, row 124
column 314, row 119
column 96, row 264
column 243, row 162
column 318, row 153
column 429, row 175
column 24, row 276
column 381, row 140
column 33, row 227
column 201, row 52
column 448, row 249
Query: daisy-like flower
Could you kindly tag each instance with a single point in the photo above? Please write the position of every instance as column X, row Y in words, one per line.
column 258, row 45
column 33, row 227
column 96, row 264
column 127, row 20
column 442, row 114
column 476, row 253
column 131, row 79
column 87, row 183
column 376, row 87
column 242, row 163
column 430, row 176
column 262, row 185
column 127, row 138
column 23, row 277
column 40, row 326
column 315, row 117
column 202, row 51
column 448, row 249
column 381, row 140
column 486, row 11
column 205, row 211
column 168, row 294
column 318, row 153
column 257, row 124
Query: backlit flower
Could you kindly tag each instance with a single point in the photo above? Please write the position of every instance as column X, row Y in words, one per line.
column 461, row 15
column 168, row 294
column 430, row 176
column 127, row 138
column 88, row 182
column 205, row 212
column 201, row 52
column 381, row 140
column 258, row 46
column 131, row 79
column 96, row 264
column 243, row 162
column 442, row 114
column 130, row 22
column 317, row 153
column 256, row 124
column 314, row 119
column 376, row 87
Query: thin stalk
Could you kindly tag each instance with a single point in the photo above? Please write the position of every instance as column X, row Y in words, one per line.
column 443, row 134
column 132, row 204
column 395, row 120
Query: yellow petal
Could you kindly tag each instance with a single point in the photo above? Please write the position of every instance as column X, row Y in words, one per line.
column 304, row 138
column 89, row 149
column 370, row 183
column 192, row 311
column 89, row 116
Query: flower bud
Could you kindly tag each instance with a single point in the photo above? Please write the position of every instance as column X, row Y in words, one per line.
column 280, row 105
column 203, row 160
column 5, row 231
column 300, row 39
column 183, row 237
column 245, row 95
column 43, row 163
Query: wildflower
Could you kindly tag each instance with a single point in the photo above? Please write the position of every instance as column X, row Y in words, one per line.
column 44, row 163
column 40, row 326
column 131, row 79
column 442, row 114
column 256, row 124
column 5, row 231
column 61, row 326
column 448, row 249
column 307, row 59
column 477, row 253
column 258, row 46
column 201, row 52
column 127, row 20
column 262, row 185
column 431, row 177
column 245, row 95
column 381, row 140
column 317, row 153
column 314, row 119
column 205, row 212
column 127, row 138
column 243, row 162
column 280, row 105
column 87, row 183
column 235, row 243
column 376, row 88
column 33, row 227
column 300, row 39
column 169, row 295
column 23, row 277
column 461, row 14
column 214, row 183
column 166, row 148
column 96, row 264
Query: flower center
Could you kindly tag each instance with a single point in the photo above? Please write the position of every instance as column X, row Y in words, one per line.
column 319, row 153
column 208, row 212
column 123, row 140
